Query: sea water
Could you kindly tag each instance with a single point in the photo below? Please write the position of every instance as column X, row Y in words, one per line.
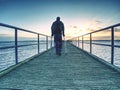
column 104, row 52
column 7, row 56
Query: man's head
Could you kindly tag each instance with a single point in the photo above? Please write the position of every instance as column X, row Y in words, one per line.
column 58, row 18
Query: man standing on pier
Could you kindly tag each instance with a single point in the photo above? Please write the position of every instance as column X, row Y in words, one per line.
column 57, row 29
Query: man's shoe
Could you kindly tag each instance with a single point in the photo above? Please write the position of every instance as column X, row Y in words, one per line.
column 59, row 54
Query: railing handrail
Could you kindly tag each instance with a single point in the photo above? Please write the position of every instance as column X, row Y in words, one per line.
column 14, row 27
column 103, row 29
column 97, row 30
column 112, row 45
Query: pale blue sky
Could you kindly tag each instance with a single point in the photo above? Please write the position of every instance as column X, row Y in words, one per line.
column 77, row 15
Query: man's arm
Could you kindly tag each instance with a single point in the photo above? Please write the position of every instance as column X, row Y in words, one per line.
column 63, row 29
column 52, row 29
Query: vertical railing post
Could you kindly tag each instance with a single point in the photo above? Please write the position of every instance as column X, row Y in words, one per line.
column 38, row 44
column 112, row 45
column 91, row 43
column 46, row 42
column 73, row 41
column 51, row 42
column 16, row 46
column 78, row 41
column 82, row 42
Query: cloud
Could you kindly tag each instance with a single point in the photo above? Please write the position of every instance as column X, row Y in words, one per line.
column 75, row 27
column 3, row 34
column 117, row 29
column 90, row 30
column 98, row 21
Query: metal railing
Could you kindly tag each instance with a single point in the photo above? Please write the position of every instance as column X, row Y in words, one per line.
column 90, row 40
column 15, row 46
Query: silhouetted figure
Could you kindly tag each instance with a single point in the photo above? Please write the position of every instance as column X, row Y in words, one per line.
column 57, row 31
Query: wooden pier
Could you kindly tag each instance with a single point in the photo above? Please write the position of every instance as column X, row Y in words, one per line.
column 74, row 70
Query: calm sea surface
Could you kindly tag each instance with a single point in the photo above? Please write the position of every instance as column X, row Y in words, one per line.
column 7, row 56
column 104, row 52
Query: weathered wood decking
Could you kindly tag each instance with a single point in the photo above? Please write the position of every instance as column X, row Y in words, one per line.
column 75, row 70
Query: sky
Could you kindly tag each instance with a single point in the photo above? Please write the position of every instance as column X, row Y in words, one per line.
column 78, row 16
